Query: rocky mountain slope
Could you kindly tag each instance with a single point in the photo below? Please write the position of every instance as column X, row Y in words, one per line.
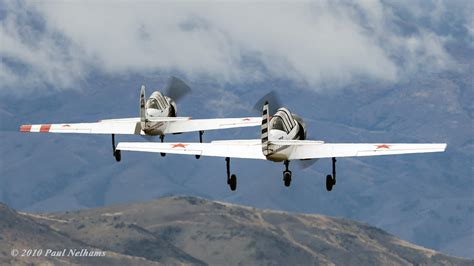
column 21, row 232
column 189, row 230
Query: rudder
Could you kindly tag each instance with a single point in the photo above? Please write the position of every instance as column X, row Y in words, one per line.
column 264, row 136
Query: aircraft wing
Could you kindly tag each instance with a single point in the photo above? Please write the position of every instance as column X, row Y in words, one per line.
column 131, row 126
column 247, row 149
column 296, row 149
column 210, row 124
column 128, row 127
column 308, row 150
column 150, row 119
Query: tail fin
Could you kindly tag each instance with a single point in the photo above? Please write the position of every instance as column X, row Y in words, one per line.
column 264, row 136
column 142, row 107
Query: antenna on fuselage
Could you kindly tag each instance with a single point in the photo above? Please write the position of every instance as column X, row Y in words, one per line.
column 142, row 108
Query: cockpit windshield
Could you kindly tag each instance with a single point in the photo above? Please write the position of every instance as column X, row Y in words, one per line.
column 277, row 123
column 152, row 103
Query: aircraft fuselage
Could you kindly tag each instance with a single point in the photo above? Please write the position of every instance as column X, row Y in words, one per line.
column 284, row 125
column 158, row 105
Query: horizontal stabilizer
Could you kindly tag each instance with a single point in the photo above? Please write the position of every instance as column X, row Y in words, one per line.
column 296, row 142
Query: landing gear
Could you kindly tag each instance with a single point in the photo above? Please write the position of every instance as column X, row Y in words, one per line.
column 287, row 175
column 117, row 154
column 200, row 136
column 331, row 180
column 200, row 141
column 231, row 179
column 233, row 182
column 162, row 138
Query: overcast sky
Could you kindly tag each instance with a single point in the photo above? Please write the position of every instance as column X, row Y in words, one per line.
column 322, row 43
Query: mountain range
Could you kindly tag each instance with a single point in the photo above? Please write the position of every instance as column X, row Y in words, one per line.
column 195, row 231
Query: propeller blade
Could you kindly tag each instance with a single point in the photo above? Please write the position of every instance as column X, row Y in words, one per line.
column 273, row 102
column 176, row 88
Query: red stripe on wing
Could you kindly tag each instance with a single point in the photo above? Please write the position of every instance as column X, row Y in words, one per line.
column 25, row 128
column 45, row 128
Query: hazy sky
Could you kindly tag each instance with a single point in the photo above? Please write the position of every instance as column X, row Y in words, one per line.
column 323, row 43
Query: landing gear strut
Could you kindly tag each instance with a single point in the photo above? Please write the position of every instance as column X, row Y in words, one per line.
column 200, row 141
column 231, row 179
column 287, row 174
column 331, row 180
column 117, row 154
column 162, row 138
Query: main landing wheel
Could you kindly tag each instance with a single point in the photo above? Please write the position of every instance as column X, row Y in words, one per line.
column 287, row 178
column 233, row 182
column 231, row 179
column 117, row 155
column 287, row 174
column 330, row 182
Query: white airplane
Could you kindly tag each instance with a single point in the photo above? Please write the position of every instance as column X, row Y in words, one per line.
column 282, row 140
column 157, row 118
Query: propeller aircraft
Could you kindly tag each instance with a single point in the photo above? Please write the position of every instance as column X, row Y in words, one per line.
column 282, row 139
column 157, row 118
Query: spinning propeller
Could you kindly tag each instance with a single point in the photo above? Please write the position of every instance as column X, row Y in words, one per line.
column 176, row 88
column 274, row 102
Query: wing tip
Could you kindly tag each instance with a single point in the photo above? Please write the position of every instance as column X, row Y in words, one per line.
column 444, row 146
column 25, row 128
column 37, row 128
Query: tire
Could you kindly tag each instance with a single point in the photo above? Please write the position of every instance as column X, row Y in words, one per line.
column 163, row 154
column 287, row 178
column 233, row 182
column 329, row 182
column 118, row 155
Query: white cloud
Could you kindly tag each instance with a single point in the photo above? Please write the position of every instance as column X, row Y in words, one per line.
column 470, row 24
column 321, row 43
column 38, row 57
